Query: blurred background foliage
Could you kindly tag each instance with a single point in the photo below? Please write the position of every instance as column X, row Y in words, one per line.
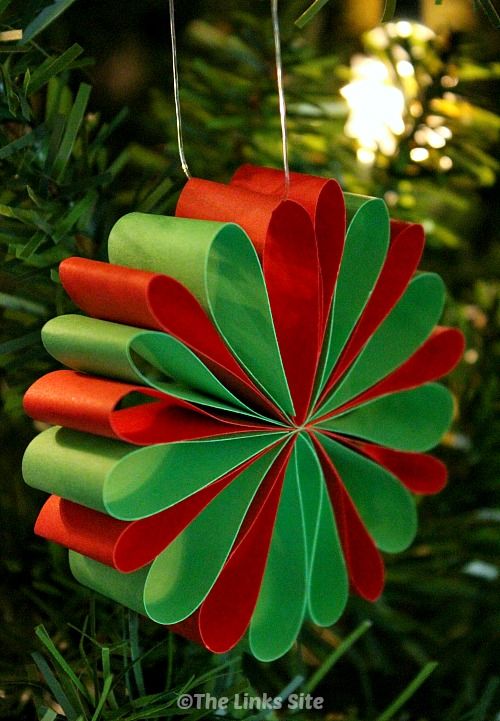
column 407, row 111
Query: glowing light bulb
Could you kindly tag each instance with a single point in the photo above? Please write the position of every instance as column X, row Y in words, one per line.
column 418, row 155
column 445, row 163
column 405, row 69
column 376, row 108
column 365, row 156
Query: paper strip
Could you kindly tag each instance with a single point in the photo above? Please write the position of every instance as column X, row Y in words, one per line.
column 226, row 612
column 327, row 575
column 364, row 562
column 385, row 506
column 419, row 473
column 282, row 600
column 292, row 276
column 97, row 405
column 365, row 249
column 408, row 421
column 323, row 200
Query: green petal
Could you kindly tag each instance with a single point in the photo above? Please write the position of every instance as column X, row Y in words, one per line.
column 281, row 604
column 92, row 346
column 129, row 482
column 408, row 421
column 327, row 575
column 404, row 330
column 218, row 264
column 124, row 588
column 73, row 465
column 386, row 507
column 366, row 244
column 181, row 577
column 141, row 356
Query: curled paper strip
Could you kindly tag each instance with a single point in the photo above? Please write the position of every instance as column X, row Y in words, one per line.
column 246, row 408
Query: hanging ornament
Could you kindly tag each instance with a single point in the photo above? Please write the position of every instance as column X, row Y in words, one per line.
column 248, row 403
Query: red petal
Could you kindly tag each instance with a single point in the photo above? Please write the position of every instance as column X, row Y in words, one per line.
column 419, row 472
column 206, row 200
column 324, row 202
column 90, row 404
column 292, row 277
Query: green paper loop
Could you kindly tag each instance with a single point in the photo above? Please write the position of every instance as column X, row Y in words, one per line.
column 413, row 420
column 218, row 264
column 328, row 585
column 57, row 458
column 281, row 604
column 124, row 588
column 181, row 577
column 366, row 244
column 386, row 507
column 141, row 356
column 129, row 482
column 404, row 330
column 92, row 346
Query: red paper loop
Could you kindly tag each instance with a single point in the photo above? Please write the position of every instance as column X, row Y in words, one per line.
column 292, row 276
column 419, row 472
column 206, row 200
column 323, row 200
column 92, row 405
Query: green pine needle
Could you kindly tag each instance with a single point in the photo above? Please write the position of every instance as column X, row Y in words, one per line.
column 411, row 689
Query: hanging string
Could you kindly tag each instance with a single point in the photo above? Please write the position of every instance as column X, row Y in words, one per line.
column 281, row 92
column 175, row 75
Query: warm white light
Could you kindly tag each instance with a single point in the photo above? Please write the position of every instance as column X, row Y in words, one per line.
column 404, row 29
column 471, row 356
column 376, row 107
column 444, row 132
column 434, row 121
column 365, row 157
column 418, row 155
column 445, row 163
column 435, row 140
column 421, row 136
column 405, row 68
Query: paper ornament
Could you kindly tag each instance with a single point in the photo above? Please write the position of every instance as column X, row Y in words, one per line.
column 246, row 410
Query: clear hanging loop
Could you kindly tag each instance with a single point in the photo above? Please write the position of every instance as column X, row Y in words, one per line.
column 175, row 75
column 281, row 92
column 279, row 79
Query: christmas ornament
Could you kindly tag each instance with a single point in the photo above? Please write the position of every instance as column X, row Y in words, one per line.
column 246, row 409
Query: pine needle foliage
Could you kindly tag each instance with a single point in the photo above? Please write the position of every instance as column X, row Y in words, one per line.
column 70, row 164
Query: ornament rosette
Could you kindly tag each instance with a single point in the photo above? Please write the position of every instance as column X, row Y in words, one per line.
column 246, row 408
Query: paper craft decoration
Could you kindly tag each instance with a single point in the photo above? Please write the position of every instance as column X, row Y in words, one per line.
column 246, row 408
